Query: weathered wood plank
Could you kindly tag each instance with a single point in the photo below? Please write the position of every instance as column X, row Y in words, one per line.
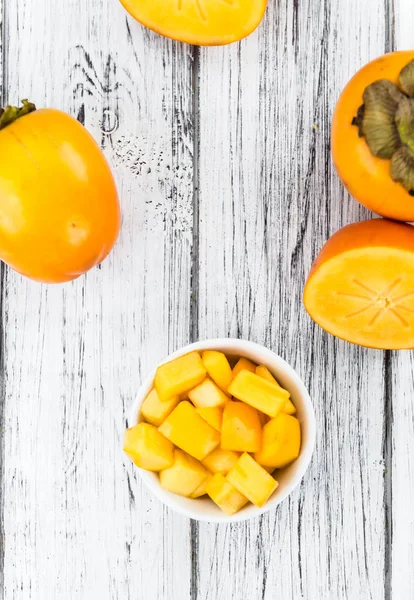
column 78, row 524
column 268, row 193
column 403, row 24
column 401, row 475
column 2, row 389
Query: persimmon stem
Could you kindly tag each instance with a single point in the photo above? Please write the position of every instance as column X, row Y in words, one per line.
column 11, row 113
column 386, row 122
column 357, row 121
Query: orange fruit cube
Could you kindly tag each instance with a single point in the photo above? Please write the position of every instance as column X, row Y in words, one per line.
column 221, row 461
column 202, row 488
column 281, row 442
column 218, row 368
column 243, row 365
column 148, row 448
column 264, row 372
column 179, row 376
column 264, row 395
column 289, row 408
column 154, row 411
column 252, row 480
column 186, row 429
column 241, row 429
column 207, row 394
column 225, row 495
column 184, row 476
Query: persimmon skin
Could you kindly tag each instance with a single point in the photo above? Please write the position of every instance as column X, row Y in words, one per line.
column 59, row 209
column 366, row 177
column 199, row 22
column 361, row 286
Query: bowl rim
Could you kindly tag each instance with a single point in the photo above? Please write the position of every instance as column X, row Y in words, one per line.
column 173, row 501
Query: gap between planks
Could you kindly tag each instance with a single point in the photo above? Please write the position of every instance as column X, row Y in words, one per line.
column 194, row 329
column 389, row 16
column 387, row 458
column 3, row 274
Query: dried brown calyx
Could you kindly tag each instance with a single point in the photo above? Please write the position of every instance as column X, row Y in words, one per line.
column 386, row 121
column 11, row 113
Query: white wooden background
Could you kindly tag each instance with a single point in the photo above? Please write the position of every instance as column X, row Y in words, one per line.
column 223, row 165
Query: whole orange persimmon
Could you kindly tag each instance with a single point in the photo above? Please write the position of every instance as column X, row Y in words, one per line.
column 373, row 136
column 59, row 210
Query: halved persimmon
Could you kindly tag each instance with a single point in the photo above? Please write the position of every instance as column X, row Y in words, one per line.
column 199, row 22
column 373, row 136
column 361, row 286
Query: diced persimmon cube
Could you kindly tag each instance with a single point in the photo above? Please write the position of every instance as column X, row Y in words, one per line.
column 243, row 365
column 281, row 442
column 154, row 411
column 241, row 429
column 148, row 448
column 179, row 376
column 207, row 394
column 264, row 395
column 202, row 488
column 251, row 480
column 186, row 429
column 218, row 368
column 185, row 475
column 221, row 461
column 289, row 408
column 213, row 415
column 264, row 372
column 225, row 495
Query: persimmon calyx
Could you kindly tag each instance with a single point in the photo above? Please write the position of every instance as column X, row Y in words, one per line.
column 381, row 101
column 386, row 121
column 402, row 168
column 11, row 113
column 404, row 119
column 407, row 79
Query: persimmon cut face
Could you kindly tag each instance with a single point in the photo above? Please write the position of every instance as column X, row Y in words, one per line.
column 366, row 296
column 200, row 22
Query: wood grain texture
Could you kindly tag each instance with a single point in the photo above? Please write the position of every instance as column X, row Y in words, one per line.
column 270, row 193
column 77, row 522
column 403, row 24
column 400, row 410
column 2, row 387
column 401, row 496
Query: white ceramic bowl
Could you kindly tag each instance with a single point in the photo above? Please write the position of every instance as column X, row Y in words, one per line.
column 204, row 509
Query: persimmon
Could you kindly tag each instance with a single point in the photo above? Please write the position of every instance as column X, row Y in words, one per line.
column 59, row 210
column 361, row 286
column 373, row 136
column 199, row 22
